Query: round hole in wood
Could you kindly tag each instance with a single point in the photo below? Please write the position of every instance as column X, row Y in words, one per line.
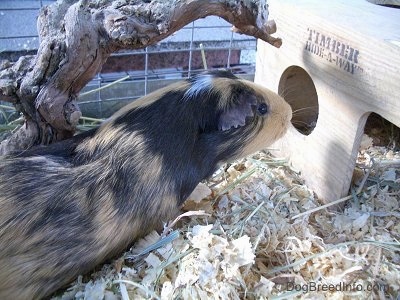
column 298, row 89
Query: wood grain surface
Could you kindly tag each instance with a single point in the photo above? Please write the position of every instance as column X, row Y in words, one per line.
column 351, row 50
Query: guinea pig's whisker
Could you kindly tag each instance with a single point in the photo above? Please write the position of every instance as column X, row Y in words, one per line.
column 305, row 110
column 302, row 123
column 286, row 92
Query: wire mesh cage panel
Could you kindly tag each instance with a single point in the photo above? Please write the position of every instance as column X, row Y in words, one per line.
column 137, row 72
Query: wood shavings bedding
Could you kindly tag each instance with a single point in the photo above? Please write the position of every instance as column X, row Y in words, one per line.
column 261, row 234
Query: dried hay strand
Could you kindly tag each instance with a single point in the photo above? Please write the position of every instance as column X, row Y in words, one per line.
column 255, row 231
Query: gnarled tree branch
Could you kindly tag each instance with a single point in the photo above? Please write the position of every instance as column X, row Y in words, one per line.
column 76, row 38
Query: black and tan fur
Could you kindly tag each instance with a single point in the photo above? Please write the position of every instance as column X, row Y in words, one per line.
column 68, row 207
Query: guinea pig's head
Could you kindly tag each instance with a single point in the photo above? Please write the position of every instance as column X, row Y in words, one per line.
column 210, row 118
column 247, row 117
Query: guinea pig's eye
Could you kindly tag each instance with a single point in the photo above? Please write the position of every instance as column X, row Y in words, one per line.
column 262, row 109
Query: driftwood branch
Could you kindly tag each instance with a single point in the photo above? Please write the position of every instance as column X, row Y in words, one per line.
column 76, row 38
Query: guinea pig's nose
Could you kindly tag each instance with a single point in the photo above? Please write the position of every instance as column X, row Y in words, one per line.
column 289, row 112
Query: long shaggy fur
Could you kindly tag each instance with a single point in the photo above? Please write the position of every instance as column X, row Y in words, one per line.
column 70, row 206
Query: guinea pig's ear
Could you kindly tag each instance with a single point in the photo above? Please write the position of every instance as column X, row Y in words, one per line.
column 235, row 114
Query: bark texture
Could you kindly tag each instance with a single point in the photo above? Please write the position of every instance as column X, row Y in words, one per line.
column 76, row 38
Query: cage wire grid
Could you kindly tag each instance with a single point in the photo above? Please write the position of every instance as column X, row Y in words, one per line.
column 212, row 33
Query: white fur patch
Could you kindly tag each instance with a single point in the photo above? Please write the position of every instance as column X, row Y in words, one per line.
column 202, row 83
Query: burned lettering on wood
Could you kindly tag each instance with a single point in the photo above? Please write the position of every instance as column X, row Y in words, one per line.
column 335, row 51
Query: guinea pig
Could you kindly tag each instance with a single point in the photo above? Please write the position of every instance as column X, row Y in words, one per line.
column 70, row 206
